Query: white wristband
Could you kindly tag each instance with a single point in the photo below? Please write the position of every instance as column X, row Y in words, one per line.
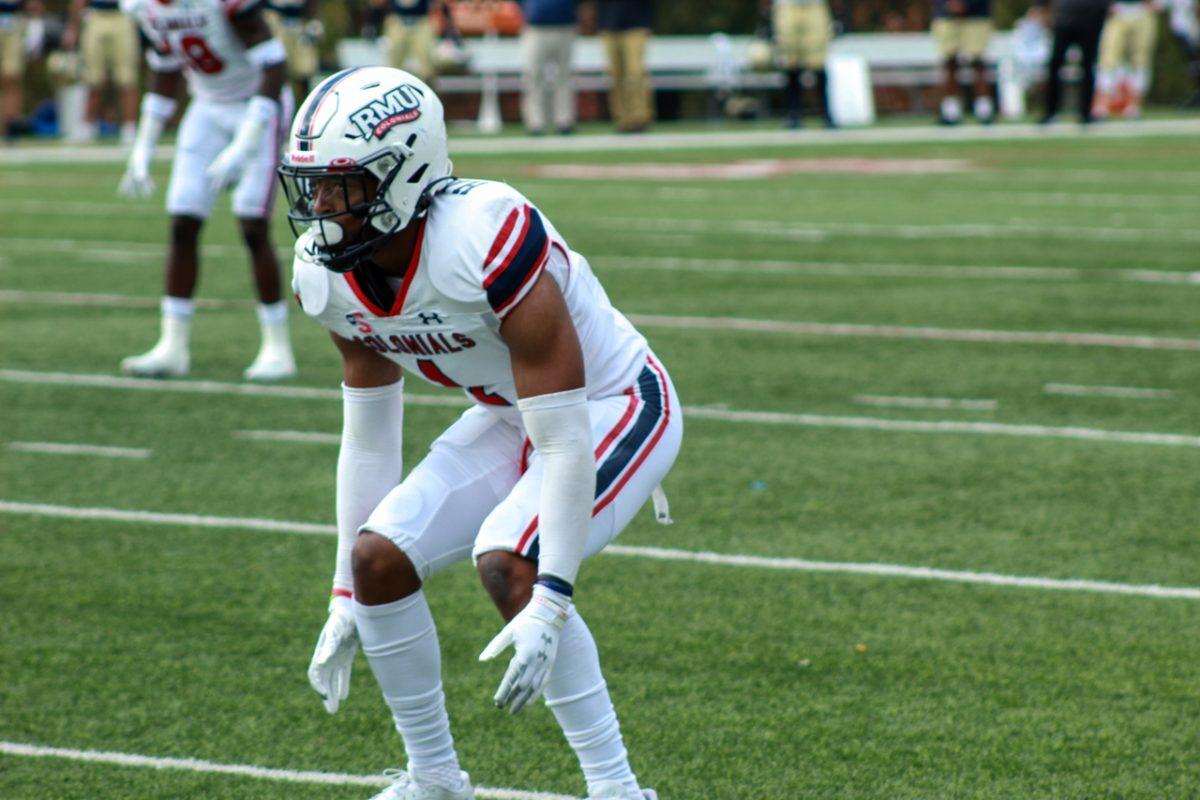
column 267, row 54
column 158, row 107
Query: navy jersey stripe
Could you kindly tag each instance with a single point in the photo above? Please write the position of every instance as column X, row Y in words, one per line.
column 507, row 282
column 650, row 393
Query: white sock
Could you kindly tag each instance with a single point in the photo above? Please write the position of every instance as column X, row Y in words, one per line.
column 1106, row 81
column 272, row 313
column 578, row 696
column 951, row 109
column 984, row 107
column 1139, row 81
column 176, row 322
column 401, row 645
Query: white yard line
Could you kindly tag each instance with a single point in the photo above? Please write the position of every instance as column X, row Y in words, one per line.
column 893, row 401
column 906, row 332
column 22, row 297
column 664, row 554
column 815, row 230
column 1130, row 392
column 299, row 437
column 699, row 140
column 242, row 770
column 877, row 270
column 699, row 412
column 70, row 449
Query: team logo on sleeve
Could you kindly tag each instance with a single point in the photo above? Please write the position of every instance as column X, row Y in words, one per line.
column 397, row 106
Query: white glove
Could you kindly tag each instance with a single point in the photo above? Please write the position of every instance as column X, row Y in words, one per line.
column 156, row 110
column 533, row 633
column 229, row 164
column 329, row 670
column 136, row 183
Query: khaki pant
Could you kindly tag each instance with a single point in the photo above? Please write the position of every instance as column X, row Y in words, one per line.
column 410, row 39
column 630, row 99
column 301, row 54
column 1128, row 40
column 547, row 55
column 802, row 34
column 12, row 45
column 108, row 45
column 962, row 37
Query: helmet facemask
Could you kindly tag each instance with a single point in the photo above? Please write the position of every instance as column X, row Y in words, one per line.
column 367, row 184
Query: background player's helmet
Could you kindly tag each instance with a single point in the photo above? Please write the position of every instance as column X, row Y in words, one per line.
column 376, row 122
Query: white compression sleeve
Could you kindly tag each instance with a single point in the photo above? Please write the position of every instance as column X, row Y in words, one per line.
column 369, row 464
column 559, row 427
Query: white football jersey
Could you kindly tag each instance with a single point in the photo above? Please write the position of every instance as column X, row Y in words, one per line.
column 197, row 36
column 481, row 247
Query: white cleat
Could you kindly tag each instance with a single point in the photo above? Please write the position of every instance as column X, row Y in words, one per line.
column 163, row 361
column 404, row 788
column 612, row 790
column 272, row 364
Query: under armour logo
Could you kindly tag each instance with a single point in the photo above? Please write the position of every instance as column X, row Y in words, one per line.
column 432, row 318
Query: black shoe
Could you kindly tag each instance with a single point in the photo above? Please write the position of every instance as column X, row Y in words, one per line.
column 536, row 132
column 792, row 121
column 830, row 124
column 566, row 131
column 1193, row 101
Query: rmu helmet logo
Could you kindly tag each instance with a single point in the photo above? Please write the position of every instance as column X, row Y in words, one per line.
column 396, row 107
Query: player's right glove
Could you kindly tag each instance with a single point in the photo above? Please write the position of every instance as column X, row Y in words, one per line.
column 329, row 670
column 156, row 110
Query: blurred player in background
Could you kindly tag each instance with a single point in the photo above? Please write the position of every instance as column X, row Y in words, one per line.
column 574, row 422
column 625, row 27
column 962, row 29
column 547, row 41
column 230, row 137
column 801, row 30
column 12, row 64
column 1126, row 56
column 408, row 33
column 295, row 23
column 108, row 46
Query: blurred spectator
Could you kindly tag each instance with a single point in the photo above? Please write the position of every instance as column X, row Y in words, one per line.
column 801, row 30
column 12, row 64
column 1126, row 54
column 108, row 46
column 1185, row 27
column 408, row 34
column 546, row 46
column 962, row 29
column 1074, row 23
column 295, row 23
column 624, row 27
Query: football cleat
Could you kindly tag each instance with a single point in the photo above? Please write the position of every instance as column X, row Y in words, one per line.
column 163, row 361
column 273, row 363
column 405, row 788
column 614, row 790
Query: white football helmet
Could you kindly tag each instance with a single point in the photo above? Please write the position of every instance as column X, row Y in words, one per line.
column 381, row 127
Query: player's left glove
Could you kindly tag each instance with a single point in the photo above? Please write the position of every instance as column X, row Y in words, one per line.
column 226, row 169
column 329, row 670
column 533, row 633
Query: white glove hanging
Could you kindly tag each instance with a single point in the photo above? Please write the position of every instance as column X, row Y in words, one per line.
column 333, row 658
column 229, row 164
column 156, row 110
column 534, row 634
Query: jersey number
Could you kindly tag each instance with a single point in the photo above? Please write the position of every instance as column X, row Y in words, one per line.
column 197, row 53
column 430, row 370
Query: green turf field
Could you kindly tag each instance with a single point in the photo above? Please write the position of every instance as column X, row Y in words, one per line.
column 992, row 372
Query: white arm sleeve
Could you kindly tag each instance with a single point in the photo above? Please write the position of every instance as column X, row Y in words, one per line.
column 369, row 464
column 560, row 428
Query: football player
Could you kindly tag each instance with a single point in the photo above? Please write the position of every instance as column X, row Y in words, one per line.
column 230, row 137
column 1126, row 55
column 574, row 422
